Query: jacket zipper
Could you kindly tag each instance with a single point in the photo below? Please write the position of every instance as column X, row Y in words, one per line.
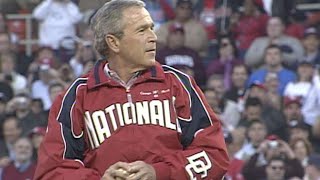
column 129, row 97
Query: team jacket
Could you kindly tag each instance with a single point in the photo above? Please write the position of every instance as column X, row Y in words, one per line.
column 163, row 120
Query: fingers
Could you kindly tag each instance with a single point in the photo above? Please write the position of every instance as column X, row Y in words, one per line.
column 117, row 171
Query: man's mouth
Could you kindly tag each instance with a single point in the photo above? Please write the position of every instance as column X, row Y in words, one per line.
column 151, row 50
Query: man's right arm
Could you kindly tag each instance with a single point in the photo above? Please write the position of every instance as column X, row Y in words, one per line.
column 61, row 152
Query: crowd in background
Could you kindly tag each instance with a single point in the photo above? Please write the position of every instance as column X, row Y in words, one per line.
column 257, row 61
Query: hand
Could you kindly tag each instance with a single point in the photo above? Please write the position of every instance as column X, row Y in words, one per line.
column 285, row 148
column 140, row 170
column 4, row 161
column 118, row 171
column 263, row 147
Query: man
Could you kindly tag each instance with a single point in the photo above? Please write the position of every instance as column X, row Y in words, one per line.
column 125, row 119
column 273, row 58
column 175, row 54
column 311, row 44
column 291, row 47
column 275, row 169
column 313, row 168
column 22, row 167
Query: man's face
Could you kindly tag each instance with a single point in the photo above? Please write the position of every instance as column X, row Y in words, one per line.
column 239, row 76
column 258, row 93
column 217, row 85
column 4, row 43
column 273, row 57
column 253, row 112
column 183, row 11
column 305, row 71
column 311, row 43
column 11, row 132
column 257, row 133
column 23, row 150
column 275, row 170
column 138, row 44
column 212, row 99
column 274, row 28
column 292, row 112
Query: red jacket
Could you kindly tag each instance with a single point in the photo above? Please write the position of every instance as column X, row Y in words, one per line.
column 167, row 124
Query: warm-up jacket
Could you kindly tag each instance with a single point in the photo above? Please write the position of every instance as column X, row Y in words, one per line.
column 162, row 119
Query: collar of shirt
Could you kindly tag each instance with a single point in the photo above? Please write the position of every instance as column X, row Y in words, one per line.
column 113, row 75
column 22, row 166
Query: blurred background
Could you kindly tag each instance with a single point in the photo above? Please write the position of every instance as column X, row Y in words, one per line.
column 257, row 62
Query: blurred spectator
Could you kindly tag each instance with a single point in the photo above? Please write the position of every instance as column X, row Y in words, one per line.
column 228, row 109
column 160, row 11
column 311, row 45
column 272, row 84
column 302, row 148
column 307, row 89
column 316, row 128
column 250, row 25
column 273, row 60
column 4, row 28
column 5, row 44
column 255, row 168
column 22, row 167
column 279, row 8
column 212, row 99
column 296, row 26
column 55, row 89
column 313, row 167
column 195, row 34
column 239, row 78
column 272, row 117
column 292, row 109
column 175, row 54
column 57, row 18
column 291, row 47
column 11, row 130
column 275, row 170
column 6, row 92
column 36, row 135
column 256, row 134
column 227, row 58
column 8, row 73
column 252, row 111
column 65, row 74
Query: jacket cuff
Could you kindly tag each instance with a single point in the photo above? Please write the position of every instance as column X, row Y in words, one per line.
column 163, row 171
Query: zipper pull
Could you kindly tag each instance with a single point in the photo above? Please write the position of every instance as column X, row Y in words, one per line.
column 129, row 97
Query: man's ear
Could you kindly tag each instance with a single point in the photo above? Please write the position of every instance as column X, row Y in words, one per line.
column 112, row 42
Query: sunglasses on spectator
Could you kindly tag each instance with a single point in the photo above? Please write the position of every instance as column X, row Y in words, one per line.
column 277, row 167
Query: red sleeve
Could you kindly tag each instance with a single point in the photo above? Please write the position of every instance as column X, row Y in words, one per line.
column 204, row 155
column 61, row 152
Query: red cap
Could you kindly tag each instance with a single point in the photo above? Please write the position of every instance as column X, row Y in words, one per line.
column 259, row 85
column 37, row 130
column 290, row 100
column 273, row 137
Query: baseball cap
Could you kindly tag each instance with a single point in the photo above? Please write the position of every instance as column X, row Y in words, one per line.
column 37, row 130
column 314, row 159
column 287, row 100
column 259, row 85
column 310, row 31
column 175, row 27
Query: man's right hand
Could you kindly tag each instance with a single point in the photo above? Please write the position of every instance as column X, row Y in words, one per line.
column 117, row 171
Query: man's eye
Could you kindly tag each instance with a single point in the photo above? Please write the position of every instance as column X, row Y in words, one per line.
column 141, row 30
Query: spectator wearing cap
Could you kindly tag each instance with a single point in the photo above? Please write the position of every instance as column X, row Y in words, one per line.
column 313, row 168
column 177, row 55
column 8, row 73
column 290, row 46
column 272, row 117
column 195, row 34
column 57, row 19
column 307, row 88
column 36, row 135
column 311, row 44
column 292, row 109
column 227, row 59
column 22, row 167
column 273, row 63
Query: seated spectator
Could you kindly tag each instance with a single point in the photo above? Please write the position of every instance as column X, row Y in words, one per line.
column 175, row 54
column 302, row 148
column 212, row 99
column 249, row 26
column 292, row 109
column 195, row 34
column 272, row 84
column 22, row 167
column 229, row 115
column 255, row 168
column 9, row 74
column 291, row 47
column 239, row 77
column 311, row 44
column 36, row 135
column 313, row 167
column 276, row 169
column 256, row 134
column 227, row 58
column 273, row 59
column 11, row 130
column 57, row 19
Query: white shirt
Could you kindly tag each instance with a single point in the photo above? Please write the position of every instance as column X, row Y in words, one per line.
column 41, row 90
column 57, row 21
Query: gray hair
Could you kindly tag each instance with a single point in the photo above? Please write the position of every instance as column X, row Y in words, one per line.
column 108, row 20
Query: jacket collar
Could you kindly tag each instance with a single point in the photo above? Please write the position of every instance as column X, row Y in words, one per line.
column 97, row 76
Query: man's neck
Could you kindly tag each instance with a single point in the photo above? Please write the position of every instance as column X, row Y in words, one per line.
column 124, row 72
